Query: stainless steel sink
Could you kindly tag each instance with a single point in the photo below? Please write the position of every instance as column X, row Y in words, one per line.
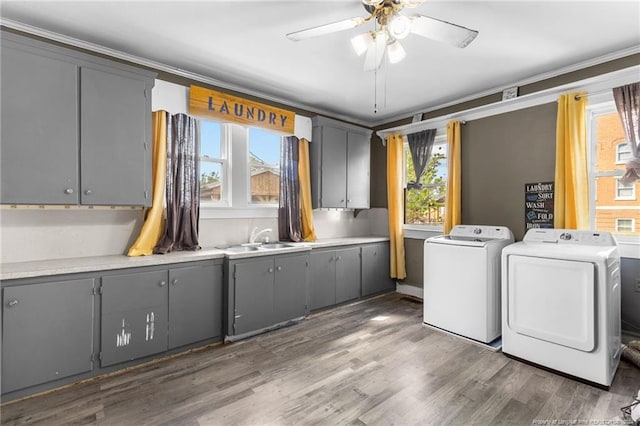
column 241, row 249
column 276, row 245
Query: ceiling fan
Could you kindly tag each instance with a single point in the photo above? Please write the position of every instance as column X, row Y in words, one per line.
column 392, row 27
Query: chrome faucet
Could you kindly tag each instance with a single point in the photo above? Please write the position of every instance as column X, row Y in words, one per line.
column 255, row 234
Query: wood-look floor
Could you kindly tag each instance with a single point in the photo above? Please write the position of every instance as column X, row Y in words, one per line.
column 370, row 363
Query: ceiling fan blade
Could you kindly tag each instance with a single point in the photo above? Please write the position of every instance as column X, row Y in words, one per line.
column 325, row 29
column 375, row 53
column 443, row 31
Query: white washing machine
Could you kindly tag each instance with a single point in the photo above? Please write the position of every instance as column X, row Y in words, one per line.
column 462, row 280
column 561, row 302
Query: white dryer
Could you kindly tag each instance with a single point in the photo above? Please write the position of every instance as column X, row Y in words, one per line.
column 462, row 280
column 561, row 302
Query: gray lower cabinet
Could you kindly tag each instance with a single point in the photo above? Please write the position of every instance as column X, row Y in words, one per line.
column 148, row 312
column 265, row 291
column 47, row 332
column 195, row 304
column 375, row 269
column 335, row 276
column 134, row 316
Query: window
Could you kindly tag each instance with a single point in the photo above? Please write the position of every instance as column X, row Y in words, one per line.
column 614, row 207
column 623, row 153
column 424, row 205
column 625, row 225
column 264, row 166
column 625, row 192
column 213, row 163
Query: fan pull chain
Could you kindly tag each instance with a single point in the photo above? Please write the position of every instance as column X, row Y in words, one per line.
column 375, row 91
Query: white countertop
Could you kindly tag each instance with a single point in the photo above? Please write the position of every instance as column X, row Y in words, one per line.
column 9, row 271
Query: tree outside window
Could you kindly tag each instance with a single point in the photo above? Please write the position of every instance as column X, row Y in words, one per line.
column 424, row 203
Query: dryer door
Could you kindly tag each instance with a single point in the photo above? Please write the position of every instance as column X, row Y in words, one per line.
column 552, row 300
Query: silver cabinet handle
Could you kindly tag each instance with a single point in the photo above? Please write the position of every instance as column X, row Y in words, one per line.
column 237, row 316
column 279, row 268
column 174, row 282
column 163, row 283
column 88, row 192
column 270, row 270
column 339, row 257
column 12, row 303
column 68, row 191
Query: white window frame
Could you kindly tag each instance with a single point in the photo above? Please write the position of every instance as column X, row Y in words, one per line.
column 633, row 224
column 225, row 142
column 599, row 105
column 419, row 230
column 238, row 194
column 626, row 152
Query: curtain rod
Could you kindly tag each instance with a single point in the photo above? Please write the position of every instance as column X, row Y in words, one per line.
column 599, row 92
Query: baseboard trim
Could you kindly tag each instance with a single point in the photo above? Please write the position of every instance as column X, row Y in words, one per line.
column 410, row 290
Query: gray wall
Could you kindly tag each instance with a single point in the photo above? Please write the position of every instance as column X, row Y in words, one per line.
column 499, row 155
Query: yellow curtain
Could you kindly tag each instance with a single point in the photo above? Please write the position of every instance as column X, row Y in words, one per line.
column 453, row 209
column 152, row 229
column 571, row 203
column 304, row 176
column 395, row 199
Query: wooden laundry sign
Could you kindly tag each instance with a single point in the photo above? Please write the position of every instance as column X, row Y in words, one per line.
column 210, row 103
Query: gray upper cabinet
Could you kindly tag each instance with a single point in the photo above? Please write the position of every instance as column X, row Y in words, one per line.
column 47, row 332
column 75, row 128
column 340, row 165
column 39, row 150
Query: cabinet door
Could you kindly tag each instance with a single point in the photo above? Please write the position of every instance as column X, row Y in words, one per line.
column 113, row 129
column 334, row 167
column 290, row 298
column 322, row 279
column 39, row 150
column 254, row 293
column 347, row 274
column 134, row 316
column 195, row 304
column 375, row 269
column 47, row 332
column 359, row 164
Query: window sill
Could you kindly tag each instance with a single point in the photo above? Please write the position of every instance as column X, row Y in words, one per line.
column 422, row 231
column 629, row 246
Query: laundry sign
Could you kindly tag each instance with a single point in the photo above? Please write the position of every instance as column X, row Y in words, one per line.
column 538, row 201
column 225, row 107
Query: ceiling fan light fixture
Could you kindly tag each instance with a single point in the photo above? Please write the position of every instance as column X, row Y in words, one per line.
column 395, row 52
column 399, row 26
column 361, row 43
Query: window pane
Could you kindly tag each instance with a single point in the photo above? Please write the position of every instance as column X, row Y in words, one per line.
column 210, row 139
column 264, row 166
column 425, row 205
column 615, row 207
column 624, row 152
column 210, row 181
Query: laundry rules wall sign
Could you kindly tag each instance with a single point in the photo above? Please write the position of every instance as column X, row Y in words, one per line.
column 232, row 109
column 538, row 202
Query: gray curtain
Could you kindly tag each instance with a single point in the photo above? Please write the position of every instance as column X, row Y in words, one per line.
column 420, row 146
column 289, row 219
column 182, row 194
column 627, row 100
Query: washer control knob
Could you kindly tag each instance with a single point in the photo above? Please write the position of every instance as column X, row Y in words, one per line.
column 565, row 236
column 477, row 231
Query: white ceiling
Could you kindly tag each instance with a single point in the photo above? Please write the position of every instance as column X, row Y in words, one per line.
column 242, row 44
